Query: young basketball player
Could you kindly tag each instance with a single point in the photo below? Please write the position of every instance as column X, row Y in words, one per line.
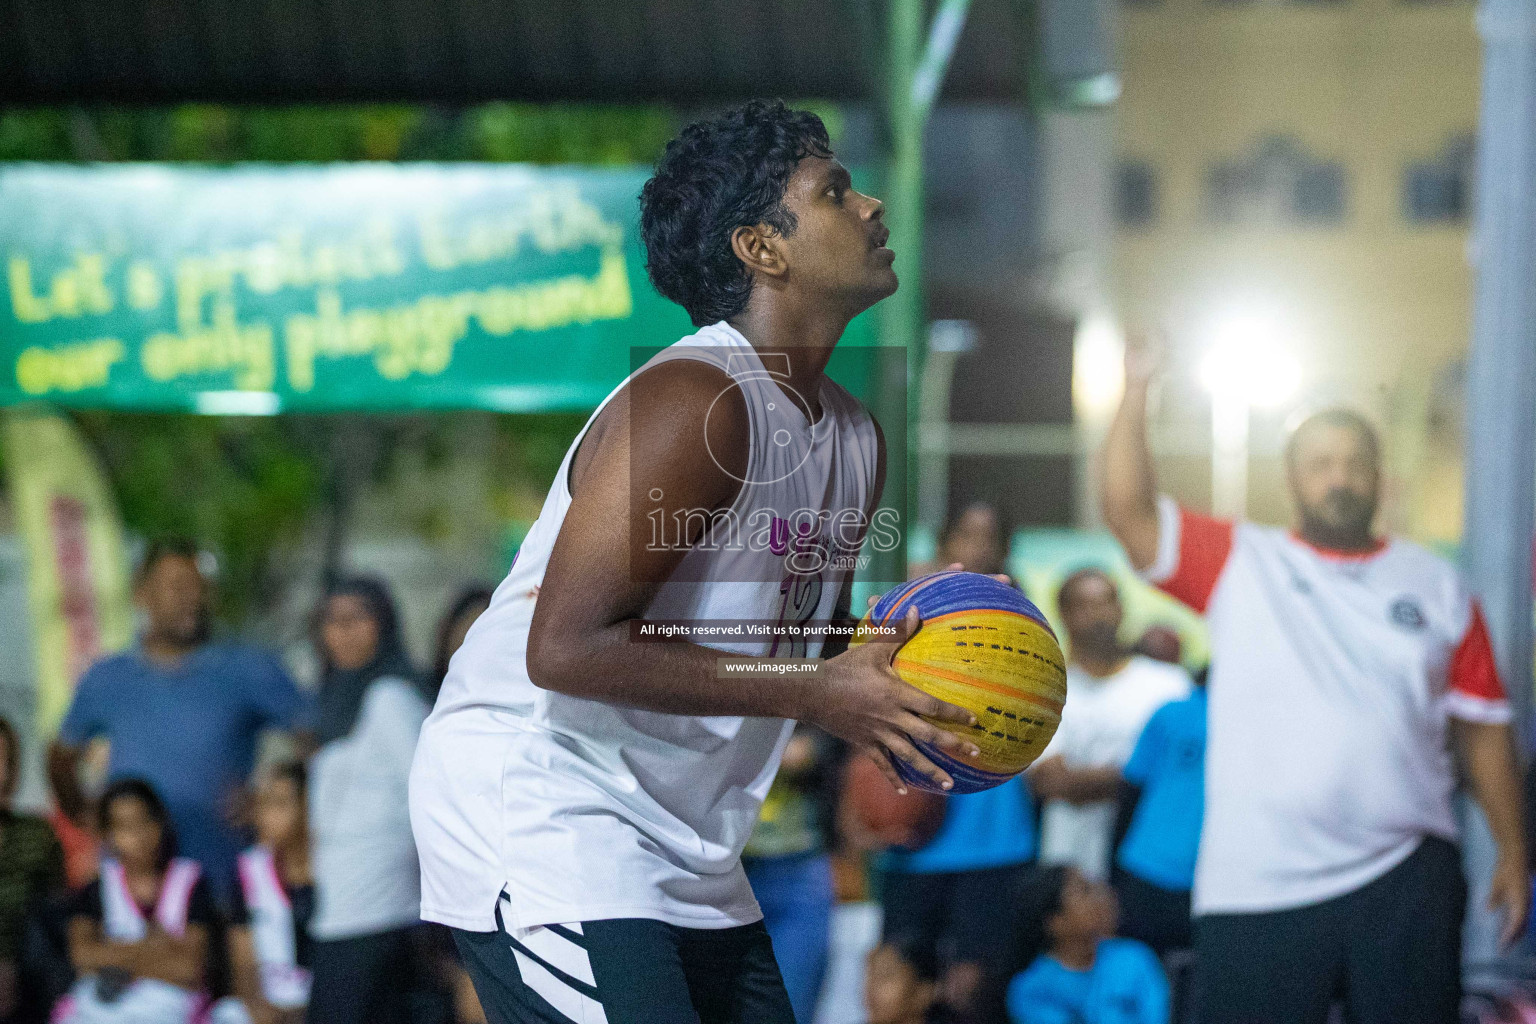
column 580, row 797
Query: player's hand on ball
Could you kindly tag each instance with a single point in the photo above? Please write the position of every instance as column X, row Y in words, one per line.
column 864, row 702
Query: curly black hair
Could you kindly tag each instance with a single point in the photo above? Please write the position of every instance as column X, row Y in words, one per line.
column 716, row 176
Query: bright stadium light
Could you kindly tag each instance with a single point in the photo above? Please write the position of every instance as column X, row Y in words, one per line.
column 1247, row 365
column 1248, row 357
column 1098, row 366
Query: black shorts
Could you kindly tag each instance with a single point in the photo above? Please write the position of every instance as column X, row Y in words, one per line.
column 362, row 980
column 625, row 971
column 1390, row 951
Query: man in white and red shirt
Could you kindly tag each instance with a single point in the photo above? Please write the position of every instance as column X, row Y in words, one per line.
column 1348, row 673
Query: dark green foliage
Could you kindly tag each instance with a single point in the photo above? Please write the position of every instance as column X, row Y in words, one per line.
column 239, row 487
column 501, row 132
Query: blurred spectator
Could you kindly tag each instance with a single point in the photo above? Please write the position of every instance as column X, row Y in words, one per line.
column 1352, row 675
column 179, row 711
column 973, row 536
column 1082, row 975
column 139, row 935
column 31, row 870
column 944, row 895
column 900, row 983
column 367, row 882
column 1156, row 862
column 1161, row 643
column 1111, row 693
column 269, row 934
column 451, row 630
column 790, row 868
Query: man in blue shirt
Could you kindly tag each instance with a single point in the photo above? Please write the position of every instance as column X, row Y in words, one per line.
column 1156, row 862
column 178, row 711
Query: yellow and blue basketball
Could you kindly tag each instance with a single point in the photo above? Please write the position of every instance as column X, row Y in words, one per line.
column 985, row 647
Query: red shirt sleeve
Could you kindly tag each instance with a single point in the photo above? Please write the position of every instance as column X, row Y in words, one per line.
column 1205, row 544
column 1474, row 673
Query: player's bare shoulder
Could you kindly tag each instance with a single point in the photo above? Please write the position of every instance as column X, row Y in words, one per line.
column 678, row 415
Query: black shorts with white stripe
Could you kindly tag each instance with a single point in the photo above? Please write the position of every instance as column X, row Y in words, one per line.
column 625, row 971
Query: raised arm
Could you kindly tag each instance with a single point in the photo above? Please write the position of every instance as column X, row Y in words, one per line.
column 1127, row 484
column 647, row 451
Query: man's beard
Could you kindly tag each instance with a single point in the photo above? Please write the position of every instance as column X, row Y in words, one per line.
column 1100, row 641
column 1341, row 520
column 197, row 633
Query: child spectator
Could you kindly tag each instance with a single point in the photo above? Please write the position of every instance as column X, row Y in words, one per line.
column 901, row 983
column 1081, row 975
column 139, row 934
column 269, row 940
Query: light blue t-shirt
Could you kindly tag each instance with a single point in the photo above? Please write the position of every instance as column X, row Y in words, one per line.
column 1169, row 766
column 190, row 731
column 991, row 829
column 1125, row 985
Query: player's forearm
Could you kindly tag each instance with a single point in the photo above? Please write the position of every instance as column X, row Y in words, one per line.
column 671, row 678
column 1488, row 756
column 1128, row 482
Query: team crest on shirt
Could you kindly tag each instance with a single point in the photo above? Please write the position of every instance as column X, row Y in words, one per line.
column 1405, row 612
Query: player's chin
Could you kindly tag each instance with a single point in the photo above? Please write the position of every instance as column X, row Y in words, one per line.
column 884, row 283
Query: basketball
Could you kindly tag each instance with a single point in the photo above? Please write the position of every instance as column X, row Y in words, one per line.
column 985, row 647
column 908, row 821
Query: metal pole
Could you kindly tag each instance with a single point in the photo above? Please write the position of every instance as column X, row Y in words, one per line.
column 1501, row 375
column 902, row 313
column 947, row 339
column 916, row 72
column 1229, row 454
column 1501, row 390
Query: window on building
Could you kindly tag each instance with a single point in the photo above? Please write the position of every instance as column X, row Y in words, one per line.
column 1279, row 182
column 1439, row 190
column 1135, row 194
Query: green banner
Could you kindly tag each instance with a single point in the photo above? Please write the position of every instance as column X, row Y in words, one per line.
column 258, row 289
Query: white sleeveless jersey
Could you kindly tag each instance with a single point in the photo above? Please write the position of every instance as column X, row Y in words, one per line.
column 581, row 810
